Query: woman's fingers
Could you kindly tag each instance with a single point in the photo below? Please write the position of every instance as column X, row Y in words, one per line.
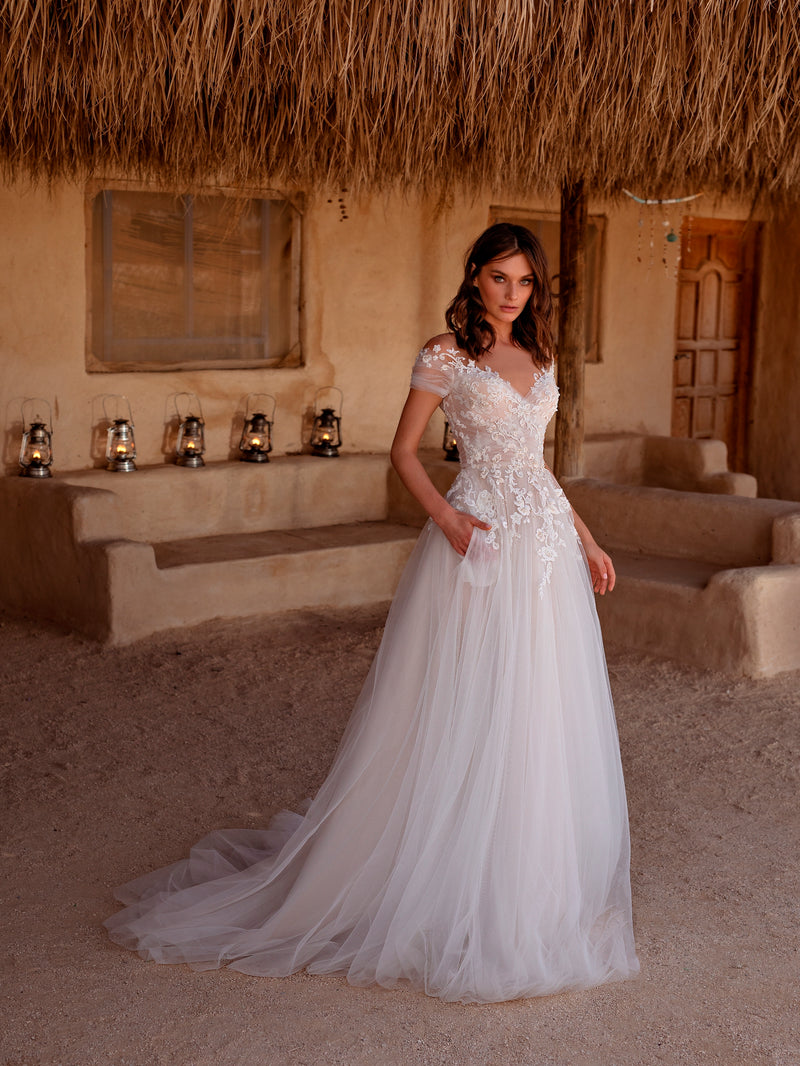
column 603, row 574
column 460, row 530
column 612, row 576
column 475, row 522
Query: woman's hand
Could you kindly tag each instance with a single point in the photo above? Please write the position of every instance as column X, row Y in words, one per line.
column 601, row 569
column 458, row 527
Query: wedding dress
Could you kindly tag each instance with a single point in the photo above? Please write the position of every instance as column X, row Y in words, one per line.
column 471, row 838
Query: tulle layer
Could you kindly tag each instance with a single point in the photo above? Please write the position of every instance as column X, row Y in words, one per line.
column 471, row 839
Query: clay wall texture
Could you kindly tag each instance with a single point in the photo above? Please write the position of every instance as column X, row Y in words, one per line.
column 374, row 287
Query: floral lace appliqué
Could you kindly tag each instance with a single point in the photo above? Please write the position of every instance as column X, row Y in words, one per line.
column 500, row 433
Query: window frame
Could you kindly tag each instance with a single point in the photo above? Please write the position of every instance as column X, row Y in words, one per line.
column 96, row 245
column 521, row 216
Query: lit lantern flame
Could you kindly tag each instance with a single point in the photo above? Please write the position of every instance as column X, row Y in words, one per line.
column 256, row 440
column 191, row 438
column 120, row 443
column 326, row 436
column 36, row 453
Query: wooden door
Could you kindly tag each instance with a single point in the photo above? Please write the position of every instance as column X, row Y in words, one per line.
column 716, row 285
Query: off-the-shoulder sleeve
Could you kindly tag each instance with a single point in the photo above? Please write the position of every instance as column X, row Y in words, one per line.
column 433, row 371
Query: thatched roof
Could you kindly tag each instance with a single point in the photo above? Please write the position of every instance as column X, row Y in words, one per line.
column 657, row 95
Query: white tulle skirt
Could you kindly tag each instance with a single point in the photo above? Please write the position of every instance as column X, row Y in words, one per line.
column 471, row 838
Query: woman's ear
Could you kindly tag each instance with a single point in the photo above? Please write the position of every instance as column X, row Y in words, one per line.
column 473, row 270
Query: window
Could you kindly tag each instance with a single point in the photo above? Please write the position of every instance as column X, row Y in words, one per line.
column 192, row 282
column 547, row 227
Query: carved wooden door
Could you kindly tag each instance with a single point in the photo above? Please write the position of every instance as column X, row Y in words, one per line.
column 716, row 286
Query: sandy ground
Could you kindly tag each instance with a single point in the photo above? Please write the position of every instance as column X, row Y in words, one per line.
column 115, row 761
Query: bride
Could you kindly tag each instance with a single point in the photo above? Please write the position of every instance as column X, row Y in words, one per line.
column 471, row 838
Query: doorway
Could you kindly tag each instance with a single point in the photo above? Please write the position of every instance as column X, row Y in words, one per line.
column 711, row 371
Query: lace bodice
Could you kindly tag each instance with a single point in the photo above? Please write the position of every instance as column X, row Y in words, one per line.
column 500, row 433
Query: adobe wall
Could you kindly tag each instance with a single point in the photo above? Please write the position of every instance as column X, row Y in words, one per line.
column 374, row 287
column 350, row 268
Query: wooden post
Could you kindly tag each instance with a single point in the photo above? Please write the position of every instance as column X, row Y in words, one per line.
column 571, row 332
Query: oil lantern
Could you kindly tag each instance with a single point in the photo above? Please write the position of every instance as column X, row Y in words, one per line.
column 450, row 444
column 326, row 432
column 120, row 439
column 191, row 439
column 256, row 442
column 36, row 451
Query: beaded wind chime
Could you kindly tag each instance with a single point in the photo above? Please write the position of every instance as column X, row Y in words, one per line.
column 673, row 208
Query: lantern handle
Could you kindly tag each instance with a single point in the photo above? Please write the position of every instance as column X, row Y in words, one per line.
column 330, row 388
column 116, row 396
column 251, row 409
column 29, row 402
column 190, row 396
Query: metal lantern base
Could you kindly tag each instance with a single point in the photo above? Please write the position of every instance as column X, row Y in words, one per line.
column 121, row 466
column 35, row 471
column 254, row 457
column 192, row 461
column 328, row 451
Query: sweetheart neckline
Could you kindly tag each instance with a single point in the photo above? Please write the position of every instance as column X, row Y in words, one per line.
column 514, row 389
column 466, row 364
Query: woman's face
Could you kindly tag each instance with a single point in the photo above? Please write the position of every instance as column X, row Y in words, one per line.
column 505, row 286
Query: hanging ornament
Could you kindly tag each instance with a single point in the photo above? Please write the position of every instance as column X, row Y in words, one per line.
column 670, row 235
column 675, row 238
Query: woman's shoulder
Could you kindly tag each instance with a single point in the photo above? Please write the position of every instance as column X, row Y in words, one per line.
column 443, row 348
column 437, row 365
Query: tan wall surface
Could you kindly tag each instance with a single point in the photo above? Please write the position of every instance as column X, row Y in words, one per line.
column 375, row 286
column 42, row 334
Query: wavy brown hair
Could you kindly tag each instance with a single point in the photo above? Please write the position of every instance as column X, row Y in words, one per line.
column 531, row 329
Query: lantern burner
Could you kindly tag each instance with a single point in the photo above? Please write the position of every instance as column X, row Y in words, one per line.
column 36, row 450
column 326, row 431
column 256, row 442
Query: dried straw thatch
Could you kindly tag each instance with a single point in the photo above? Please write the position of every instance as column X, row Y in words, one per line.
column 654, row 94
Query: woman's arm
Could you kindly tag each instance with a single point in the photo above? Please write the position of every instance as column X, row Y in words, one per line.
column 456, row 525
column 600, row 566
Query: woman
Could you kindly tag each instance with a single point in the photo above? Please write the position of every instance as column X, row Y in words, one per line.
column 471, row 838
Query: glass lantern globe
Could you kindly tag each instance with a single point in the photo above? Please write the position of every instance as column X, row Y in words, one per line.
column 191, row 442
column 120, row 438
column 121, row 447
column 256, row 442
column 36, row 452
column 450, row 444
column 326, row 431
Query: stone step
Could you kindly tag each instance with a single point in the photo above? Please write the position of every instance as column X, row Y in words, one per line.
column 173, row 584
column 742, row 620
column 730, row 531
column 659, row 569
column 227, row 547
